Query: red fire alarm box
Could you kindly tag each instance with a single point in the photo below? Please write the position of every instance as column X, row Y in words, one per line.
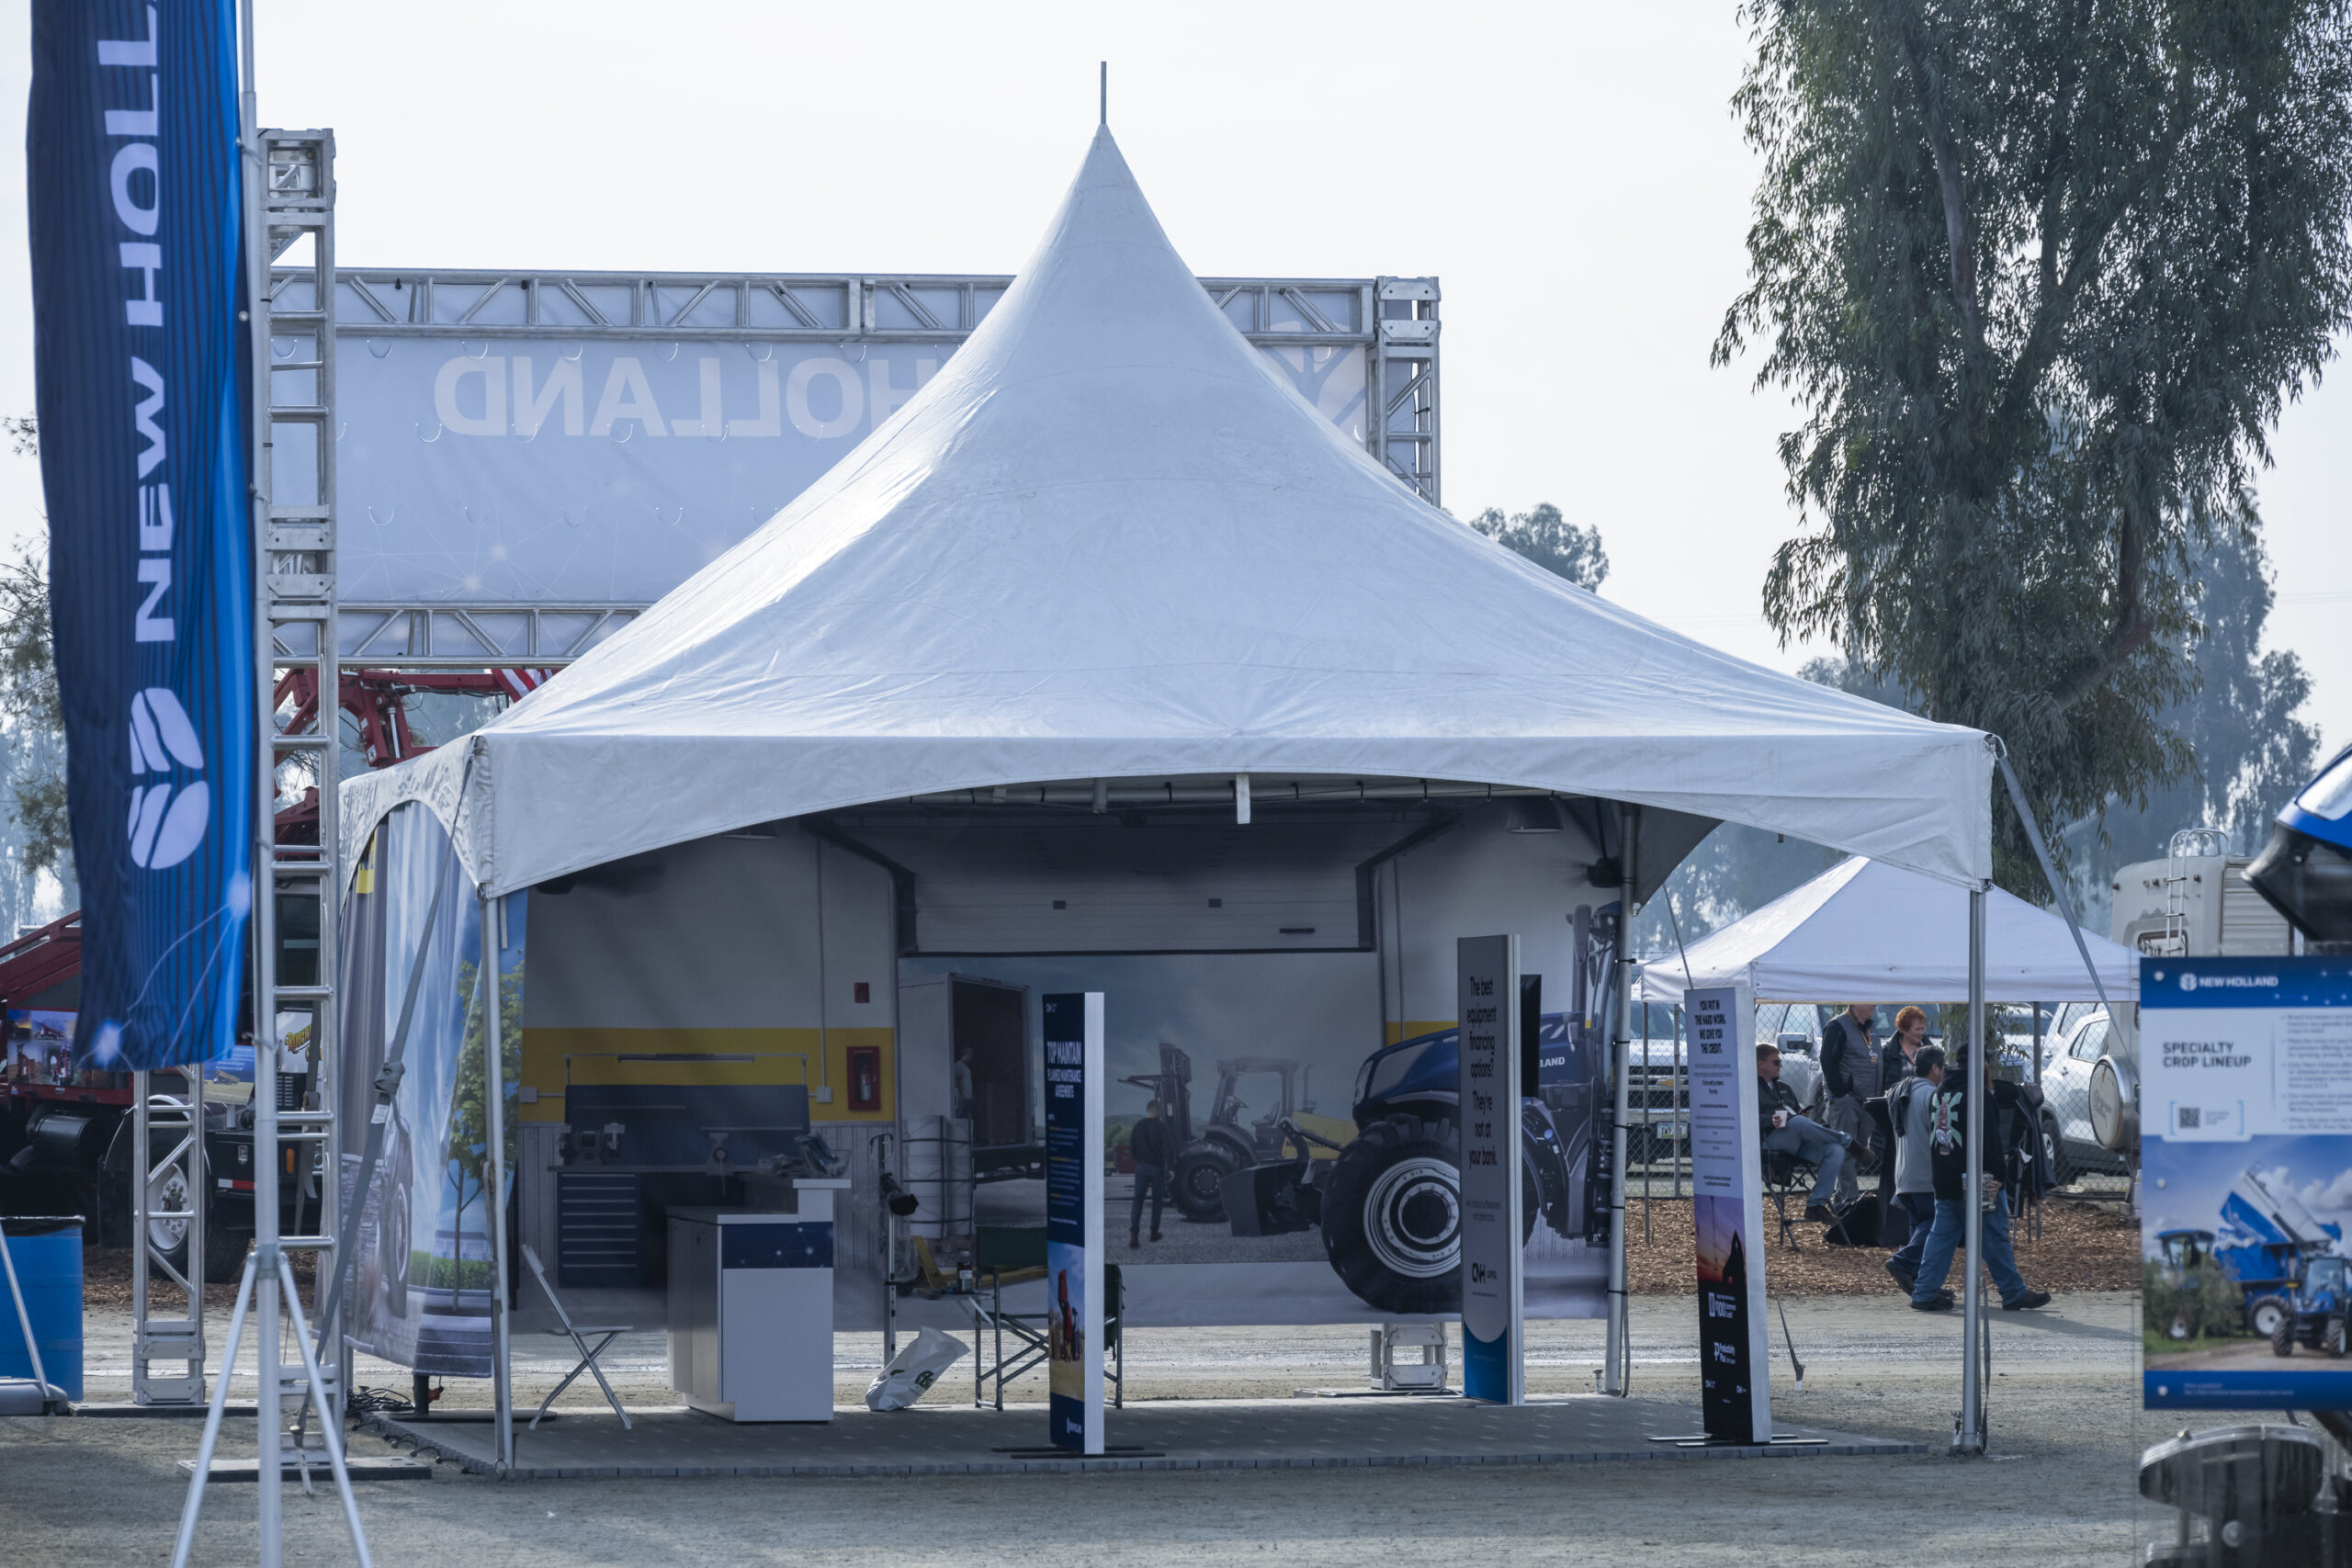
column 865, row 1077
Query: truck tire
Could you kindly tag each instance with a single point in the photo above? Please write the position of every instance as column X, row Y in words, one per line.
column 1199, row 1181
column 167, row 1239
column 2282, row 1338
column 224, row 1252
column 1392, row 1218
column 2264, row 1313
column 2053, row 1154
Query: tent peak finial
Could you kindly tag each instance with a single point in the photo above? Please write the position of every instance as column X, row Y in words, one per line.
column 1105, row 120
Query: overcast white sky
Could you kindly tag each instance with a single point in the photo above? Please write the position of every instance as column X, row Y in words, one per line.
column 1571, row 173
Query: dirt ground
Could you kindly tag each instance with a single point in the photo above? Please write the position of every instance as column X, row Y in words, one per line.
column 2057, row 1491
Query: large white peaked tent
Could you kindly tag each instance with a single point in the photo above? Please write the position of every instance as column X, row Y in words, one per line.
column 1106, row 542
column 1862, row 931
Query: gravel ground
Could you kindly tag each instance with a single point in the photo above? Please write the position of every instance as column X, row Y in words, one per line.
column 2058, row 1489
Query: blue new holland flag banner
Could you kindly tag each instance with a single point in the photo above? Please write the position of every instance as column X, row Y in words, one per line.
column 133, row 181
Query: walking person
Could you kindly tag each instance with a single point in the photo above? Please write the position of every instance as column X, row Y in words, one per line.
column 1948, row 1156
column 1851, row 1068
column 1914, row 1178
column 1789, row 1130
column 1150, row 1143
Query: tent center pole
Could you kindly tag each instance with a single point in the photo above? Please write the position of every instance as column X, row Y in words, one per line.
column 1970, row 1438
column 1614, row 1378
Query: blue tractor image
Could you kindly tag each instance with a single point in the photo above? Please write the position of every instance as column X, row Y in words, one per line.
column 2316, row 1308
column 1389, row 1205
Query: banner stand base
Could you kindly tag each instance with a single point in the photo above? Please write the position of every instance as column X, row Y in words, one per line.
column 1377, row 1393
column 1110, row 1450
column 1777, row 1441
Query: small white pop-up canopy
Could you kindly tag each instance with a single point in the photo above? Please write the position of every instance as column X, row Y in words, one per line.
column 1107, row 542
column 1863, row 931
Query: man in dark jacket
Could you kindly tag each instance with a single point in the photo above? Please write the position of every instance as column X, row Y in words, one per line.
column 1786, row 1128
column 1947, row 1120
column 1153, row 1157
column 1851, row 1068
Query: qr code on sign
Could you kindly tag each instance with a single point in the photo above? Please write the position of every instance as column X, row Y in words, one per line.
column 2191, row 1116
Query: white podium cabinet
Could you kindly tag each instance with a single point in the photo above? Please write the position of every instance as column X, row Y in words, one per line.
column 752, row 1308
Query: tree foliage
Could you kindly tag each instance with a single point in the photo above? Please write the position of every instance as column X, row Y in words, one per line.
column 2039, row 275
column 1551, row 541
column 32, row 721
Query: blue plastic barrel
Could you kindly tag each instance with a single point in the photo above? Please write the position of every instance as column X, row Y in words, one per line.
column 46, row 1251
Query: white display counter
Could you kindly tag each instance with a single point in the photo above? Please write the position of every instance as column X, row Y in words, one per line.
column 751, row 1307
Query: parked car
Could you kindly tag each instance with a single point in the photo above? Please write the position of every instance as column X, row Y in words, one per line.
column 2068, row 1054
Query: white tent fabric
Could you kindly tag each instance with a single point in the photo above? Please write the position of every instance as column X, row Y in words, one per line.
column 1106, row 541
column 1862, row 931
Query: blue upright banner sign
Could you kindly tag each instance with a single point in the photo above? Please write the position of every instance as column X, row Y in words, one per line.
column 133, row 182
column 1074, row 1262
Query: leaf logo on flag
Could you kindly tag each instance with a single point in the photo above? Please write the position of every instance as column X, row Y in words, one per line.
column 168, row 823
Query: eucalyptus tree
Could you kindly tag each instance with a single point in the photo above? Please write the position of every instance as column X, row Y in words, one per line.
column 2039, row 276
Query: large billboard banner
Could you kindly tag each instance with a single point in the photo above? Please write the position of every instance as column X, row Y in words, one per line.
column 135, row 214
column 608, row 470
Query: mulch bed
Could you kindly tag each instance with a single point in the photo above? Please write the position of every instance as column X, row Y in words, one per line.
column 2083, row 1246
column 106, row 1282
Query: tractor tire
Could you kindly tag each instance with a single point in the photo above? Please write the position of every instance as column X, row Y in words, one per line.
column 392, row 1253
column 1199, row 1181
column 2282, row 1338
column 2264, row 1313
column 1392, row 1217
column 2332, row 1339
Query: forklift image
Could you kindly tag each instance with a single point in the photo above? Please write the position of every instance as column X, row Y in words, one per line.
column 1227, row 1143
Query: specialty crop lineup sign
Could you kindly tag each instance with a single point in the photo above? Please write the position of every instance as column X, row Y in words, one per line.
column 2245, row 1158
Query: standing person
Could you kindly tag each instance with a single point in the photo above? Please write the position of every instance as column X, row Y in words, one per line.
column 1850, row 1068
column 959, row 1083
column 1898, row 1060
column 1948, row 1155
column 1787, row 1129
column 1914, row 1178
column 1150, row 1142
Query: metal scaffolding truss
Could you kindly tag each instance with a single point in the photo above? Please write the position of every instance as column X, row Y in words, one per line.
column 1393, row 321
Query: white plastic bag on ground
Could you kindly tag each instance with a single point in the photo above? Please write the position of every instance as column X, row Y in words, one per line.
column 913, row 1370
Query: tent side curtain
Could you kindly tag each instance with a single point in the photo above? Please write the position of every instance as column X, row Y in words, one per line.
column 423, row 1272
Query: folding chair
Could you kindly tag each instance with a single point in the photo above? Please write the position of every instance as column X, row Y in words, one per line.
column 1787, row 1177
column 1002, row 1255
column 588, row 1353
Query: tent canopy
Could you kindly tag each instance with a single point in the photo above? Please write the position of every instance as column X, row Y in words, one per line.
column 1863, row 931
column 1106, row 541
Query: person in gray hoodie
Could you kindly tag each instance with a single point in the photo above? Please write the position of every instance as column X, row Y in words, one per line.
column 1915, row 1175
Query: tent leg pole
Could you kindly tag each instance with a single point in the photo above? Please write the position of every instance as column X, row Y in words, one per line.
column 1613, row 1375
column 1970, row 1438
column 493, row 1098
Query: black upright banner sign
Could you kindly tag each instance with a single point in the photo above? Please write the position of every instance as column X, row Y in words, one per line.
column 139, row 359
